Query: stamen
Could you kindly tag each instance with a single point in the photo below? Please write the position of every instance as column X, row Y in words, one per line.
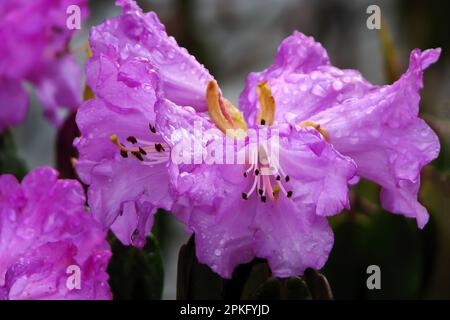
column 159, row 147
column 279, row 169
column 276, row 191
column 154, row 153
column 267, row 186
column 266, row 172
column 132, row 140
column 280, row 186
column 142, row 151
column 255, row 182
column 113, row 139
column 152, row 128
column 137, row 155
column 253, row 163
column 267, row 104
column 322, row 131
column 223, row 113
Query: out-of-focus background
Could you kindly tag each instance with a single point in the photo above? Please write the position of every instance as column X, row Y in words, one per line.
column 235, row 37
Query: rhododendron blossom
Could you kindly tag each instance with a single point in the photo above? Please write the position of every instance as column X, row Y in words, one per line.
column 330, row 127
column 377, row 126
column 45, row 232
column 34, row 49
column 122, row 157
column 331, row 122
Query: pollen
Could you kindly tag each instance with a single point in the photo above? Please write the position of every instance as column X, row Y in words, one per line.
column 113, row 138
column 147, row 152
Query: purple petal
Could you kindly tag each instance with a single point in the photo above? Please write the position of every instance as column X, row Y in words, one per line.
column 141, row 35
column 225, row 242
column 230, row 230
column 233, row 231
column 60, row 86
column 302, row 82
column 34, row 42
column 13, row 103
column 124, row 193
column 185, row 131
column 132, row 84
column 319, row 174
column 292, row 239
column 383, row 134
column 44, row 229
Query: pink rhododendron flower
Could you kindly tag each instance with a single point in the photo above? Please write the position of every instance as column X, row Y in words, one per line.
column 241, row 211
column 128, row 180
column 45, row 231
column 34, row 48
column 377, row 126
column 327, row 118
column 326, row 123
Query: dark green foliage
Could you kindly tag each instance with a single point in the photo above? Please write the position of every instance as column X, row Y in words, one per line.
column 9, row 160
column 136, row 273
column 251, row 281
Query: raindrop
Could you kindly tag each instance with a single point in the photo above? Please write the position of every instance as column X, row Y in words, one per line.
column 337, row 85
column 318, row 90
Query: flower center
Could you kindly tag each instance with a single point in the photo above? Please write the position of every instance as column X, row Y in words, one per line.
column 149, row 152
column 269, row 178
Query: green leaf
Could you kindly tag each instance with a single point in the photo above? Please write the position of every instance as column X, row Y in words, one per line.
column 395, row 246
column 260, row 273
column 9, row 161
column 250, row 281
column 434, row 196
column 318, row 285
column 389, row 241
column 392, row 67
column 345, row 266
column 196, row 281
column 136, row 273
column 294, row 288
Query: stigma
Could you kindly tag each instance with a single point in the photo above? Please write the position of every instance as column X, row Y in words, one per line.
column 268, row 179
column 148, row 152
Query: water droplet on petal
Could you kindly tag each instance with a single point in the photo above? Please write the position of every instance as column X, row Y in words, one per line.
column 337, row 85
column 318, row 90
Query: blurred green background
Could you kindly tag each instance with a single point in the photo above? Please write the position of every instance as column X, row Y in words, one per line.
column 235, row 37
